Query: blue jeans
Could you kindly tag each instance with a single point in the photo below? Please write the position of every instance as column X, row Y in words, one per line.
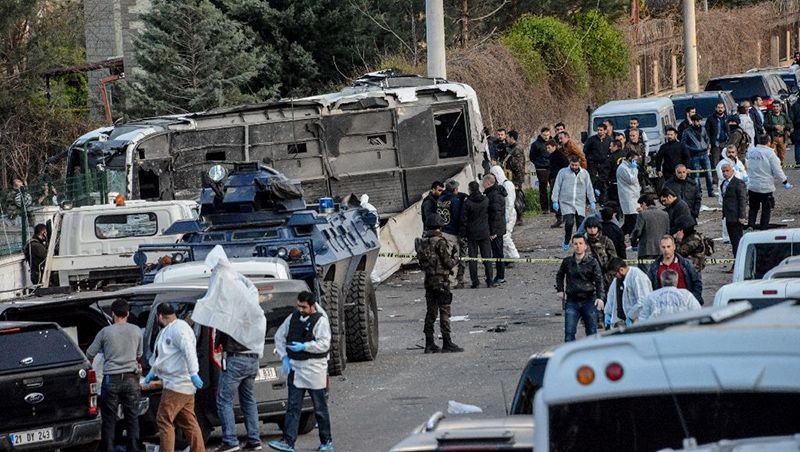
column 120, row 390
column 573, row 312
column 239, row 374
column 701, row 161
column 292, row 421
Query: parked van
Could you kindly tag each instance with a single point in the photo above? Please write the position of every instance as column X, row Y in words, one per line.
column 760, row 251
column 655, row 114
column 688, row 378
column 761, row 293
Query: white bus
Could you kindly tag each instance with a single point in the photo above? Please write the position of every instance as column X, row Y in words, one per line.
column 688, row 378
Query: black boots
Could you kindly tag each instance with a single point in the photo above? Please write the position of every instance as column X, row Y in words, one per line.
column 448, row 346
column 430, row 345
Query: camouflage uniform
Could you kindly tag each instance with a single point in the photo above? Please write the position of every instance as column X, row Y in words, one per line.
column 602, row 248
column 515, row 162
column 437, row 259
column 693, row 248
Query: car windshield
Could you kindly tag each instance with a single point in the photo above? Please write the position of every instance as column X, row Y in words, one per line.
column 790, row 80
column 742, row 88
column 627, row 423
column 24, row 350
column 646, row 120
column 705, row 106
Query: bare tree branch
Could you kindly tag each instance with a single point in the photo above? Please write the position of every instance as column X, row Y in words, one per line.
column 383, row 27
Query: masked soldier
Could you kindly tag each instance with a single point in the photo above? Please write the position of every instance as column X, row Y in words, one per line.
column 437, row 259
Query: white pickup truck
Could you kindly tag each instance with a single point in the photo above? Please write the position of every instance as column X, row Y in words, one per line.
column 94, row 245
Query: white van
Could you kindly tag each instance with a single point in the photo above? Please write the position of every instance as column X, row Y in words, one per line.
column 689, row 378
column 760, row 293
column 760, row 251
column 655, row 114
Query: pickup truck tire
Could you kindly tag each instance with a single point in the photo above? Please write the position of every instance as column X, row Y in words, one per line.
column 362, row 319
column 332, row 303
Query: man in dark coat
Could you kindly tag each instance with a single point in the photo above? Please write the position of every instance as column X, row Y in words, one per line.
column 686, row 188
column 734, row 205
column 613, row 231
column 671, row 154
column 430, row 206
column 475, row 228
column 596, row 150
column 36, row 252
column 738, row 137
column 540, row 158
column 580, row 287
column 717, row 128
column 497, row 222
column 675, row 208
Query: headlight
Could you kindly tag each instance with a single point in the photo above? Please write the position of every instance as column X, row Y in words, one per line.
column 217, row 173
column 282, row 252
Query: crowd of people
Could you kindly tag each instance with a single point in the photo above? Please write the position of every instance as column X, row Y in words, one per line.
column 604, row 195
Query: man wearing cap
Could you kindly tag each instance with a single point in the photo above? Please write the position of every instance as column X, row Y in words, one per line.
column 437, row 259
column 449, row 206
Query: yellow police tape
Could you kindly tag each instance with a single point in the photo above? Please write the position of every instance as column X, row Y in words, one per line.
column 543, row 261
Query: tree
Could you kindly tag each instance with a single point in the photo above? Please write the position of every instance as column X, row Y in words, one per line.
column 194, row 58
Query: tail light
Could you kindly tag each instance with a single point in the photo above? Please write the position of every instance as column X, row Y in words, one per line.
column 91, row 378
column 768, row 101
column 214, row 352
column 614, row 371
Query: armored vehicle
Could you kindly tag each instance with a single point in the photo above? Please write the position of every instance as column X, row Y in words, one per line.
column 257, row 212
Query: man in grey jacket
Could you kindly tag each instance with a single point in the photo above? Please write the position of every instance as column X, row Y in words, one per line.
column 573, row 186
column 652, row 223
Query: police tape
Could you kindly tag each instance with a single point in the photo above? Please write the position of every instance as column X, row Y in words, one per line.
column 543, row 261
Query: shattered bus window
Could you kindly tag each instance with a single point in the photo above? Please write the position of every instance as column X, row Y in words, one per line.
column 451, row 134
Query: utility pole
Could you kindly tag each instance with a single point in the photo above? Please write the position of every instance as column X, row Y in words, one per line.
column 434, row 22
column 690, row 47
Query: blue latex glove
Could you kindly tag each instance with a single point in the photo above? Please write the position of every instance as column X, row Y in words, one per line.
column 196, row 381
column 296, row 346
column 594, row 206
column 746, row 179
column 634, row 165
column 287, row 366
column 607, row 321
column 628, row 322
column 596, row 192
column 788, row 185
column 556, row 205
column 150, row 377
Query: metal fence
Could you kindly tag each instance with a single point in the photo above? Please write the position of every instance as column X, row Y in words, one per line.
column 23, row 207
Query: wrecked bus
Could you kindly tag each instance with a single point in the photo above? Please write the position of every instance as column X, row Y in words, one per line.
column 387, row 135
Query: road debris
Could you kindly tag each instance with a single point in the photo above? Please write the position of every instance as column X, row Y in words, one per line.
column 454, row 407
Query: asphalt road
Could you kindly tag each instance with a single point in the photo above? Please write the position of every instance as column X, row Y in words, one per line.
column 377, row 404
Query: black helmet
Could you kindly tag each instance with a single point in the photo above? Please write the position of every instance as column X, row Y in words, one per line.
column 592, row 222
column 734, row 118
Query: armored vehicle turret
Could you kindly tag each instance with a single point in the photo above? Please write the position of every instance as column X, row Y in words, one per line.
column 255, row 211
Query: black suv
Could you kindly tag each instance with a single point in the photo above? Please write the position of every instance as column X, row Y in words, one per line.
column 48, row 389
column 768, row 86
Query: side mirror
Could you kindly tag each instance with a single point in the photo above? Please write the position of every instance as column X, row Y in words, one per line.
column 584, row 136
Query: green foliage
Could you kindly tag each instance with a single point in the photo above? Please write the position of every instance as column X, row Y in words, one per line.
column 532, row 206
column 604, row 47
column 559, row 47
column 527, row 56
column 194, row 58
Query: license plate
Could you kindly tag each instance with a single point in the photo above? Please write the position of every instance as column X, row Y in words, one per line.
column 32, row 436
column 267, row 374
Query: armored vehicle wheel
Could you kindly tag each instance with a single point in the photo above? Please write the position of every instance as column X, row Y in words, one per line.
column 332, row 303
column 362, row 319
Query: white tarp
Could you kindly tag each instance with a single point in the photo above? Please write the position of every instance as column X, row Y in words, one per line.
column 231, row 304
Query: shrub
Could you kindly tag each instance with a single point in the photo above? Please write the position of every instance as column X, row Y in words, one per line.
column 532, row 206
column 604, row 48
column 527, row 57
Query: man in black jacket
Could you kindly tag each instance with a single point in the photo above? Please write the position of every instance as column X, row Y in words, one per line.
column 429, row 208
column 475, row 228
column 540, row 158
column 558, row 161
column 497, row 222
column 734, row 205
column 675, row 208
column 717, row 128
column 687, row 121
column 583, row 293
column 596, row 150
column 671, row 154
column 686, row 188
column 36, row 252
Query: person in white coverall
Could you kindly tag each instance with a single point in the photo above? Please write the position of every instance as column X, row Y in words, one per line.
column 175, row 362
column 509, row 249
column 303, row 342
column 668, row 299
column 627, row 292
